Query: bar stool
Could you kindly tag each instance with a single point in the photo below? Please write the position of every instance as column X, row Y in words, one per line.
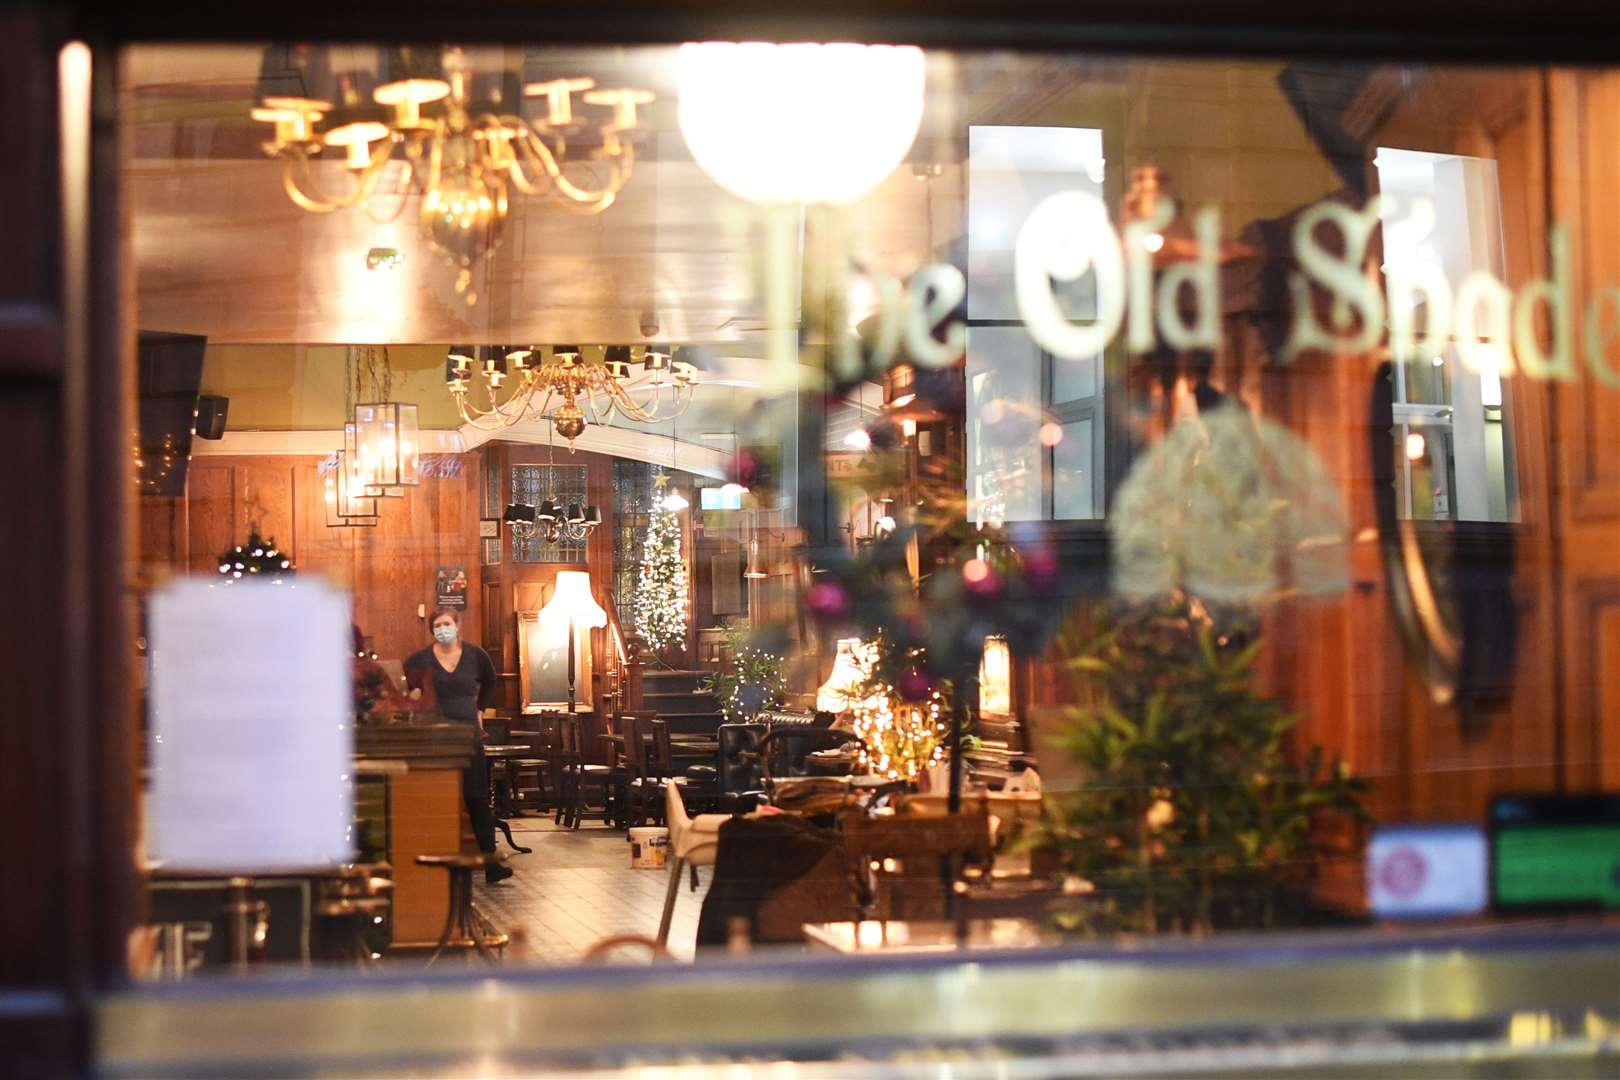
column 351, row 917
column 463, row 915
column 347, row 905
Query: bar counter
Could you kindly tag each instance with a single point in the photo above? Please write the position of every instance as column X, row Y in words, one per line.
column 421, row 764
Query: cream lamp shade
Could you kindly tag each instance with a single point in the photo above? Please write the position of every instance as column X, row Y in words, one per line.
column 995, row 678
column 781, row 125
column 572, row 600
column 842, row 690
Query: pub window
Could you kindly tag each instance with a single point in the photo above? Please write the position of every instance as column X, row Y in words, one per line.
column 1453, row 426
column 1034, row 421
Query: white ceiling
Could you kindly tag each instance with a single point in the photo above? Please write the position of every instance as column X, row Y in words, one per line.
column 221, row 251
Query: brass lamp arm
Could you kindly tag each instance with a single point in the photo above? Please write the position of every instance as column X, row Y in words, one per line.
column 296, row 174
column 533, row 149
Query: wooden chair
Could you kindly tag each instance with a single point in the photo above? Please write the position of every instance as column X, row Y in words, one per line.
column 899, row 860
column 647, row 768
column 785, row 751
column 578, row 775
column 535, row 778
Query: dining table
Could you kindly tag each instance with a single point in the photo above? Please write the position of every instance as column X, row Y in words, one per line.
column 502, row 785
column 925, row 935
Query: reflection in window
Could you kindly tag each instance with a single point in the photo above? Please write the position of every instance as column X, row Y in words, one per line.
column 1034, row 421
column 1454, row 452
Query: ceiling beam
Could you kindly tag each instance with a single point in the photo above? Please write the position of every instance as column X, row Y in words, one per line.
column 614, row 441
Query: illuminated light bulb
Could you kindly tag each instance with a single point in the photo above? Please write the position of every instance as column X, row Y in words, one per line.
column 908, row 428
column 975, row 570
column 1051, row 434
column 1437, row 361
column 785, row 124
column 1414, row 447
column 885, row 524
column 859, row 440
column 1154, row 242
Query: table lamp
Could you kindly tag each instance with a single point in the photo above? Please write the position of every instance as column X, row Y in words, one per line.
column 851, row 666
column 572, row 600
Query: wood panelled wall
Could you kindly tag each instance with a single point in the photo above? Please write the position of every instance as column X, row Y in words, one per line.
column 1584, row 140
column 1339, row 661
column 389, row 569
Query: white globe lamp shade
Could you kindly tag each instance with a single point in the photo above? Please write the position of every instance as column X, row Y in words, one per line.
column 781, row 125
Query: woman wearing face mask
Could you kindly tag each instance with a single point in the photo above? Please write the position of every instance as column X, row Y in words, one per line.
column 460, row 679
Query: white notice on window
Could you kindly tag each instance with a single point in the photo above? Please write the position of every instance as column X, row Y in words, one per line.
column 251, row 736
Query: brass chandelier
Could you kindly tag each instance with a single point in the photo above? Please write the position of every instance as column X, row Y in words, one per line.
column 567, row 389
column 463, row 144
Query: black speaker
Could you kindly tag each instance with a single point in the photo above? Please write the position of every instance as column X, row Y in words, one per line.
column 211, row 411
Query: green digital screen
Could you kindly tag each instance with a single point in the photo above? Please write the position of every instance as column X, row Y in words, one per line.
column 1573, row 864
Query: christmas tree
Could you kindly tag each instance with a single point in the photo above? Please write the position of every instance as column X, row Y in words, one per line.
column 660, row 603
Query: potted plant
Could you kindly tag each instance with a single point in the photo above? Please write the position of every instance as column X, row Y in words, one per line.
column 751, row 679
column 1194, row 814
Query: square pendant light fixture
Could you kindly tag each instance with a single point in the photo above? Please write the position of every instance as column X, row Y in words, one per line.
column 348, row 504
column 387, row 446
column 347, row 507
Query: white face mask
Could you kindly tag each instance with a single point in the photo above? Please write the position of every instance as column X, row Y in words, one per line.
column 446, row 634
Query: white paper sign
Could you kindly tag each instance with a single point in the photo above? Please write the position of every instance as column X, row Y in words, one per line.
column 251, row 702
column 1427, row 871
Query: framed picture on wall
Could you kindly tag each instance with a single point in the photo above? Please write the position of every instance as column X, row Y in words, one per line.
column 543, row 664
column 489, row 528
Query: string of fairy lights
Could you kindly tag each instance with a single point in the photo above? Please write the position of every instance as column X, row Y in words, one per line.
column 903, row 739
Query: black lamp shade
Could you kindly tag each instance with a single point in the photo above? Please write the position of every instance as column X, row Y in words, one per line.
column 297, row 71
column 549, row 510
column 411, row 62
column 496, row 92
column 519, row 513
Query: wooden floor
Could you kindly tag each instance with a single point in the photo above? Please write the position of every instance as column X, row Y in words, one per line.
column 578, row 888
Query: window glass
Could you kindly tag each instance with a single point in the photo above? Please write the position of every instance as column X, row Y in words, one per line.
column 1441, row 215
column 1262, row 414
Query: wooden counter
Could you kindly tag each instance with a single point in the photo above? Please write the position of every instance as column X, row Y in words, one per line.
column 423, row 766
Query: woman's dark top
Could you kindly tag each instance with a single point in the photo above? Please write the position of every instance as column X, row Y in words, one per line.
column 459, row 693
